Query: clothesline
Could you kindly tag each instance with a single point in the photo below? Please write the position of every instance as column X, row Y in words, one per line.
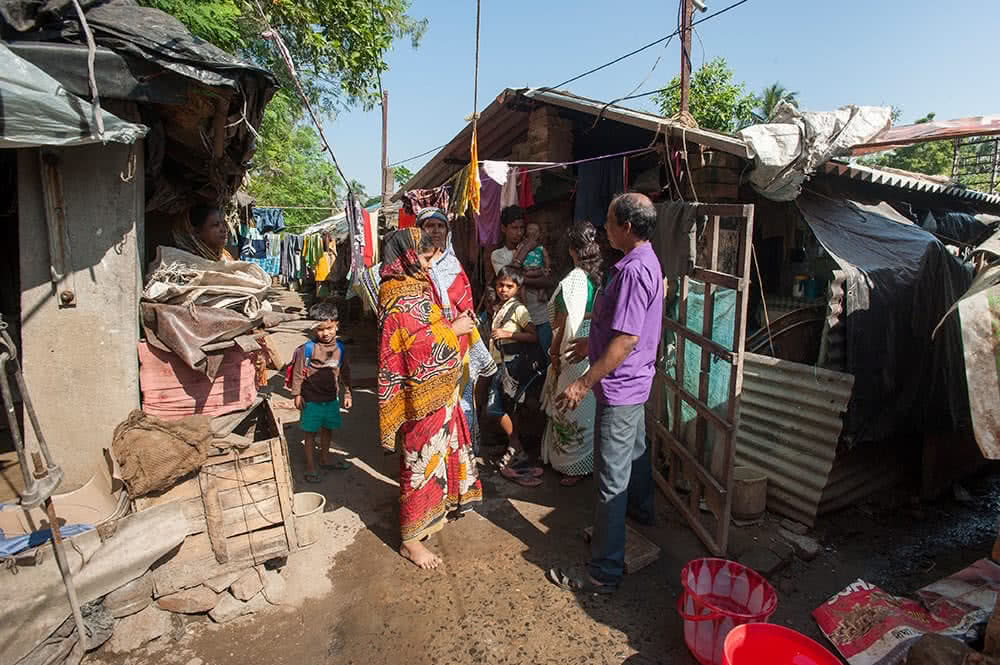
column 626, row 153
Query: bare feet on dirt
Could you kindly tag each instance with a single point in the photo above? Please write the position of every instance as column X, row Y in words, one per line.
column 420, row 555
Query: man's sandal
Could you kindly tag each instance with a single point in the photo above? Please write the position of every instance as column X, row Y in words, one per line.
column 577, row 585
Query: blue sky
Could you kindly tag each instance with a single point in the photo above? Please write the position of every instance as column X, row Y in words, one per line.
column 921, row 55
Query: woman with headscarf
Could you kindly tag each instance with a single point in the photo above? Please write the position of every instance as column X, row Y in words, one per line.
column 203, row 232
column 568, row 444
column 420, row 361
column 454, row 293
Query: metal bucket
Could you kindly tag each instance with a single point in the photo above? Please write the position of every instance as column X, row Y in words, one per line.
column 307, row 507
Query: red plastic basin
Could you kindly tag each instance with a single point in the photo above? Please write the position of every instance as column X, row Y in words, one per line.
column 768, row 644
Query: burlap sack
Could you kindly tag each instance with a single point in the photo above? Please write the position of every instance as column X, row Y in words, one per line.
column 153, row 454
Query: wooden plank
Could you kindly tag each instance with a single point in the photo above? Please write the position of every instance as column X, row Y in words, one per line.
column 722, row 279
column 194, row 509
column 195, row 562
column 724, row 209
column 717, row 349
column 262, row 456
column 227, row 454
column 699, row 406
column 680, row 340
column 639, row 550
column 283, row 481
column 708, row 319
column 693, row 521
column 677, row 447
column 247, row 475
column 250, row 517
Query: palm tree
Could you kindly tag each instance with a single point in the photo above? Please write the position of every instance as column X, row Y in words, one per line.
column 769, row 99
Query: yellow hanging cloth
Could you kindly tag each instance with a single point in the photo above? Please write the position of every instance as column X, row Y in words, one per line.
column 323, row 267
column 474, row 184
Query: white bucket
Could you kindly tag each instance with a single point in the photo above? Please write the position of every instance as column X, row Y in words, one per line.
column 307, row 507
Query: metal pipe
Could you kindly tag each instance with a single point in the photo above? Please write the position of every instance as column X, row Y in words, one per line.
column 15, row 427
column 67, row 574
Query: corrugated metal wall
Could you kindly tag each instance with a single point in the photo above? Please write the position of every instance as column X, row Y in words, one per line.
column 790, row 422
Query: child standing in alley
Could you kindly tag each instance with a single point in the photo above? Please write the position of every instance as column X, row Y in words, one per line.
column 514, row 344
column 319, row 371
column 533, row 259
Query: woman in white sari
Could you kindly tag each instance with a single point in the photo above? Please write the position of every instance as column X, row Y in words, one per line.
column 568, row 444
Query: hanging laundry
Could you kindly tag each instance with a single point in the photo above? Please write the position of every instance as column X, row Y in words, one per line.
column 474, row 185
column 269, row 219
column 356, row 233
column 508, row 193
column 313, row 250
column 271, row 264
column 488, row 219
column 273, row 244
column 596, row 184
column 323, row 267
column 368, row 253
column 460, row 201
column 416, row 200
column 405, row 220
column 525, row 199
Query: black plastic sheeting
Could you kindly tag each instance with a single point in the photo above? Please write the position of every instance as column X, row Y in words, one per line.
column 954, row 227
column 182, row 167
column 127, row 28
column 901, row 281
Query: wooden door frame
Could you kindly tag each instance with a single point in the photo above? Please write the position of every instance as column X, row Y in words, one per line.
column 713, row 483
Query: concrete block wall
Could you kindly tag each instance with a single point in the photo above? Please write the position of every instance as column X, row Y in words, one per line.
column 80, row 362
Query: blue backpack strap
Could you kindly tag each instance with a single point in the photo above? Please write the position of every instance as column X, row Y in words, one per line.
column 340, row 347
column 307, row 349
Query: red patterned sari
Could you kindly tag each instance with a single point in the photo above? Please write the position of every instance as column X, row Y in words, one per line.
column 419, row 371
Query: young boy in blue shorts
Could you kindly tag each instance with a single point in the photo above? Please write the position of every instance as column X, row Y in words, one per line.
column 319, row 371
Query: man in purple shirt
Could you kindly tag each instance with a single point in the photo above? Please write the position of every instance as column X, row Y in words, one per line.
column 624, row 335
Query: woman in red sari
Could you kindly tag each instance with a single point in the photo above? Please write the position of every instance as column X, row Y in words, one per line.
column 420, row 365
column 454, row 294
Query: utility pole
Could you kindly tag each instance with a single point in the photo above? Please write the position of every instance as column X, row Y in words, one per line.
column 385, row 159
column 687, row 9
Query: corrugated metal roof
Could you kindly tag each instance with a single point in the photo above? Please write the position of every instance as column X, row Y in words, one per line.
column 913, row 183
column 504, row 121
column 935, row 130
column 790, row 422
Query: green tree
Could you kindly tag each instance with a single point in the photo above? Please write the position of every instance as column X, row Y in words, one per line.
column 401, row 175
column 931, row 157
column 769, row 99
column 291, row 168
column 716, row 101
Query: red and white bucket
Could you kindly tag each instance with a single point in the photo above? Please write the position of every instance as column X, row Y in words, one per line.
column 717, row 596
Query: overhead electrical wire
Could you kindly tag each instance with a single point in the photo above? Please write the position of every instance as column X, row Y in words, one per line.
column 608, row 64
column 646, row 47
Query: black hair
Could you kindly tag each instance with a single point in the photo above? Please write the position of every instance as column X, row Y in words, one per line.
column 637, row 210
column 199, row 215
column 324, row 311
column 511, row 214
column 512, row 273
column 583, row 241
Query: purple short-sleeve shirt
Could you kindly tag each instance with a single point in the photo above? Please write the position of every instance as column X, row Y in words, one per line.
column 631, row 303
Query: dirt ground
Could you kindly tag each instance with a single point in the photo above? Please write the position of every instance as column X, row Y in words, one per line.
column 353, row 599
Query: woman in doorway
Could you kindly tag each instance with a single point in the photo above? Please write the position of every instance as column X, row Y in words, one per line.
column 568, row 444
column 203, row 232
column 419, row 368
column 454, row 293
